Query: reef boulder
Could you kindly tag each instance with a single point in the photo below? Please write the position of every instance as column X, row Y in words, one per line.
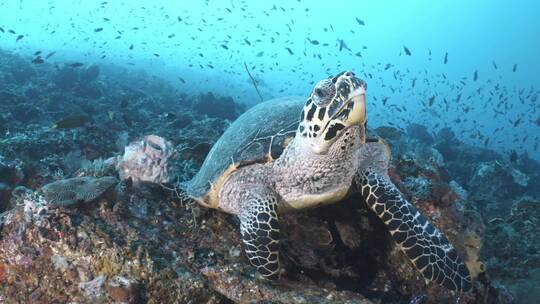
column 220, row 107
column 419, row 132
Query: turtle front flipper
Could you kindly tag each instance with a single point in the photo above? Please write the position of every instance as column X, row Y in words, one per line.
column 260, row 230
column 428, row 249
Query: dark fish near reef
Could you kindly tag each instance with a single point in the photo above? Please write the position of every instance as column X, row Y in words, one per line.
column 99, row 29
column 72, row 121
column 360, row 21
column 169, row 116
column 343, row 45
column 475, row 76
column 38, row 60
column 50, row 55
column 513, row 156
column 19, row 38
column 127, row 120
column 514, row 68
column 407, row 51
column 432, row 100
column 124, row 103
column 446, row 58
column 76, row 64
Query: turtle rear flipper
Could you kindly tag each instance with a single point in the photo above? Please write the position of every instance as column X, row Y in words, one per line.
column 259, row 228
column 428, row 249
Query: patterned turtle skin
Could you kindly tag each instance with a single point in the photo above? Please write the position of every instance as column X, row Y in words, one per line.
column 272, row 160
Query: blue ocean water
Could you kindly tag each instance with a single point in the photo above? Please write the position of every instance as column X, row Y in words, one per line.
column 290, row 45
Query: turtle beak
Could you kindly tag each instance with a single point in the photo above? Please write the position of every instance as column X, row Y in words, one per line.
column 357, row 115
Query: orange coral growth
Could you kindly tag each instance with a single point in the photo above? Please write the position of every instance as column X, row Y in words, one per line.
column 3, row 272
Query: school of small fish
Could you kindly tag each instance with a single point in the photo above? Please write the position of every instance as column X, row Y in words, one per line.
column 469, row 105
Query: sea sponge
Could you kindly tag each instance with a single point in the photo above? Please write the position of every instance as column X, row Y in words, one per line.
column 147, row 160
column 473, row 244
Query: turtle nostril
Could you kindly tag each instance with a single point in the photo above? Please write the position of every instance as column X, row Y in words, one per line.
column 349, row 74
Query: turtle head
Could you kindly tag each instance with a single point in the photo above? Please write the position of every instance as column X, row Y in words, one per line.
column 335, row 104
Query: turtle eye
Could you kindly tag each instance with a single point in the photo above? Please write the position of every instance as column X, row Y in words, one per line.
column 324, row 92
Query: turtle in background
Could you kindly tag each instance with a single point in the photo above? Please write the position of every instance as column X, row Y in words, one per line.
column 289, row 154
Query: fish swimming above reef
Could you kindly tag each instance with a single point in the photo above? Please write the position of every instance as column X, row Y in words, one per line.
column 72, row 121
column 38, row 60
column 76, row 64
column 407, row 51
column 124, row 103
column 343, row 45
column 50, row 55
column 513, row 156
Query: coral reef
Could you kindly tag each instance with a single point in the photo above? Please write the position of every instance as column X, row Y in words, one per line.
column 72, row 231
column 11, row 174
column 499, row 239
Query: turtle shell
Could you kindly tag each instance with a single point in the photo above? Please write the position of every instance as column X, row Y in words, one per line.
column 258, row 135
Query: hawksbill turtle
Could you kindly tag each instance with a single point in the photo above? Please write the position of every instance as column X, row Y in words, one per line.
column 269, row 162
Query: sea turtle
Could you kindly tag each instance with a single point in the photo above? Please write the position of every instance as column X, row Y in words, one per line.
column 269, row 162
